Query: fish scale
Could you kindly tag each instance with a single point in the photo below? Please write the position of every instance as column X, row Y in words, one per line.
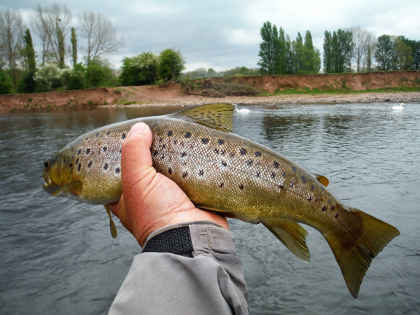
column 223, row 172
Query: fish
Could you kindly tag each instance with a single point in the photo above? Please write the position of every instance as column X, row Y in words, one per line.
column 227, row 173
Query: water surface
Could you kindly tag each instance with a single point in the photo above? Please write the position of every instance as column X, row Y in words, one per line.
column 58, row 256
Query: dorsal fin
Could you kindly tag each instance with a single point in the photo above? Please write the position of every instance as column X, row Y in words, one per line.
column 218, row 116
column 322, row 179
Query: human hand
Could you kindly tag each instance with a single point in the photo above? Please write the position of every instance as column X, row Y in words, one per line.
column 150, row 200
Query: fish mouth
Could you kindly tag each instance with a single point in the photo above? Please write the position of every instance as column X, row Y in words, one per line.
column 50, row 187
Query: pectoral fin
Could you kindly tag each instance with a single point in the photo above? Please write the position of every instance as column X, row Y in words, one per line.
column 291, row 234
column 112, row 227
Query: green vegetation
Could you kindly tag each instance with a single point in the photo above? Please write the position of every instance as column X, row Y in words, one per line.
column 170, row 65
column 338, row 50
column 140, row 70
column 279, row 55
column 291, row 91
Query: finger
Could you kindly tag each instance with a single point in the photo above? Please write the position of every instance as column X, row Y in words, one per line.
column 136, row 161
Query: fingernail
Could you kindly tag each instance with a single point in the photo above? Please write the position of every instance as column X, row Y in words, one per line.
column 138, row 129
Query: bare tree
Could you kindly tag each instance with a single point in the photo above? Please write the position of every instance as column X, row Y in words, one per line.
column 361, row 39
column 11, row 39
column 51, row 24
column 100, row 35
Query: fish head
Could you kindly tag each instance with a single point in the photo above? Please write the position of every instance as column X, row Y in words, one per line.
column 58, row 176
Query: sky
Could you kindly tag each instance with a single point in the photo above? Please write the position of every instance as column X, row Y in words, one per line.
column 223, row 34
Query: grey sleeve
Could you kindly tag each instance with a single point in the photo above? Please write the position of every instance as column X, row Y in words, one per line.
column 210, row 282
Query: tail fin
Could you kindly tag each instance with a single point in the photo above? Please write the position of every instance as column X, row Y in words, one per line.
column 354, row 258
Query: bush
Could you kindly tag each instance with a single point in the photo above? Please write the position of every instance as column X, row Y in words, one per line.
column 170, row 65
column 139, row 70
column 48, row 77
column 75, row 79
column 99, row 73
column 6, row 85
column 27, row 84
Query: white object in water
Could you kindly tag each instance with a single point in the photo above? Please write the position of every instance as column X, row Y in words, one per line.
column 243, row 111
column 398, row 107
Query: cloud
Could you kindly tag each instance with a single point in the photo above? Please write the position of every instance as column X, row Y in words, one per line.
column 224, row 34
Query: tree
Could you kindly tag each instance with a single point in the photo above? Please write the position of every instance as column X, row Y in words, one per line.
column 99, row 73
column 384, row 54
column 51, row 24
column 328, row 52
column 11, row 35
column 74, row 46
column 267, row 48
column 171, row 64
column 299, row 54
column 28, row 82
column 338, row 51
column 311, row 59
column 362, row 40
column 100, row 35
column 403, row 54
column 6, row 85
column 139, row 70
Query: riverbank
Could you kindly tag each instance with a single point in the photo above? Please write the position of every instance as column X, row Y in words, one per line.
column 174, row 94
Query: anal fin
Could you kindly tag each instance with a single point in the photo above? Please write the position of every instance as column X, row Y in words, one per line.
column 112, row 227
column 291, row 234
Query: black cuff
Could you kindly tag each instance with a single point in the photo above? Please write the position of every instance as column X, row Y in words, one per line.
column 175, row 241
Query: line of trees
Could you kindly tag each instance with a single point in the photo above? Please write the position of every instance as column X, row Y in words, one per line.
column 279, row 55
column 344, row 50
column 28, row 65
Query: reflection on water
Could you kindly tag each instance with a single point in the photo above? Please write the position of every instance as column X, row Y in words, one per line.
column 58, row 256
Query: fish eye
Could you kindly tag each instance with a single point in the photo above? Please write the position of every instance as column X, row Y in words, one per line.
column 46, row 164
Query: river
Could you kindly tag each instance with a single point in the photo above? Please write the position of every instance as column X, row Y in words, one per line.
column 57, row 255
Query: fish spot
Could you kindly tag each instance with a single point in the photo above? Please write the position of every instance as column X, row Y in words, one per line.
column 220, row 141
column 79, row 167
column 117, row 170
column 222, row 152
column 201, row 173
column 185, row 174
column 123, row 135
column 120, row 151
column 303, row 179
column 312, row 187
column 273, row 175
column 221, row 185
column 309, row 198
column 205, row 140
column 291, row 185
column 258, row 174
column 97, row 134
column 108, row 133
column 105, row 166
column 170, row 133
column 232, row 154
column 155, row 153
column 257, row 153
column 46, row 164
column 187, row 134
column 183, row 154
column 160, row 139
column 216, row 151
column 276, row 164
column 71, row 165
column 162, row 156
column 170, row 171
column 294, row 169
column 175, row 141
column 324, row 208
column 224, row 163
column 87, row 151
column 242, row 151
column 90, row 164
column 336, row 215
column 241, row 187
column 104, row 148
column 80, row 151
column 332, row 207
column 280, row 186
column 77, row 161
column 249, row 162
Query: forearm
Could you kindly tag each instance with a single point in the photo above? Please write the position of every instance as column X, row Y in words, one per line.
column 184, row 269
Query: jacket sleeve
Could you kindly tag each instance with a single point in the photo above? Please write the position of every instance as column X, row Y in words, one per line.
column 210, row 281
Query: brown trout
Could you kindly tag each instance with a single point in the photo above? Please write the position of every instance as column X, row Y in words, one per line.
column 221, row 171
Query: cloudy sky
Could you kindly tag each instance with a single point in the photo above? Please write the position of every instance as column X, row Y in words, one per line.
column 224, row 34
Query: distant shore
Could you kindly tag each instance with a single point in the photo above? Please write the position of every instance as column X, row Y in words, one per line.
column 141, row 96
column 394, row 97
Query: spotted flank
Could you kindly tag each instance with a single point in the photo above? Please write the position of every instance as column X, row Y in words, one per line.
column 224, row 172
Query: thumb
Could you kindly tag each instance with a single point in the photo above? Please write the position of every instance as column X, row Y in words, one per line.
column 136, row 163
